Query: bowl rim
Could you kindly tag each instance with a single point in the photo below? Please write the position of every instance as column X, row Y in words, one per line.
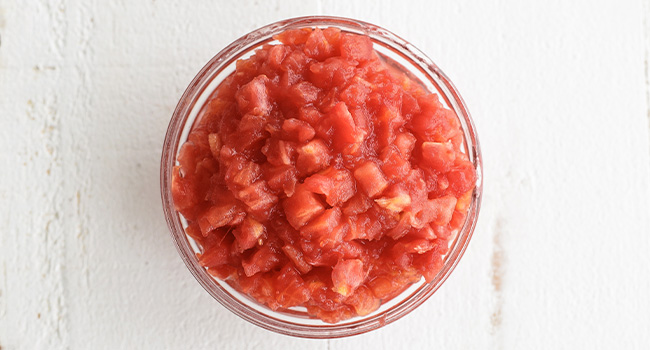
column 172, row 142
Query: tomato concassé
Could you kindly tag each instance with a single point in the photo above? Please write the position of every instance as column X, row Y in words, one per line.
column 318, row 175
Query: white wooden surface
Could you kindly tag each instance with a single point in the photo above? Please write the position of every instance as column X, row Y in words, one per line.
column 559, row 91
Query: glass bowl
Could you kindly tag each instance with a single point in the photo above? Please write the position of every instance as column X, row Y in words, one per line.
column 297, row 322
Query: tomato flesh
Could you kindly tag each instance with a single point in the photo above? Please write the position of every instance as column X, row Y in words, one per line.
column 319, row 175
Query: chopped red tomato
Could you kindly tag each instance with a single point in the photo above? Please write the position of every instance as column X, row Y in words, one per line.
column 318, row 175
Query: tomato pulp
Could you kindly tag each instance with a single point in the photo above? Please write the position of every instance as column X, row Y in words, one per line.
column 318, row 175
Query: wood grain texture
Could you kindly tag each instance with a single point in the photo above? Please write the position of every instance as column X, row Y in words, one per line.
column 560, row 95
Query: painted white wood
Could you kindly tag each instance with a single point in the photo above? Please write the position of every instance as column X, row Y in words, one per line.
column 559, row 92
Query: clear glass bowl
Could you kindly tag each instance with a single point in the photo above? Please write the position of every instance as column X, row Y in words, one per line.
column 297, row 322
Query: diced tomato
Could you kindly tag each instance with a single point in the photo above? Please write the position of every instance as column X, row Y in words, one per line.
column 464, row 201
column 391, row 283
column 263, row 260
column 258, row 198
column 296, row 256
column 317, row 46
column 290, row 288
column 317, row 255
column 188, row 156
column 439, row 156
column 355, row 47
column 194, row 231
column 313, row 157
column 356, row 94
column 279, row 152
column 334, row 316
column 243, row 173
column 282, row 178
column 405, row 142
column 395, row 199
column 402, row 228
column 347, row 275
column 337, row 185
column 253, row 98
column 388, row 122
column 309, row 114
column 334, row 237
column 333, row 36
column 261, row 287
column 429, row 264
column 249, row 234
column 186, row 198
column 364, row 226
column 457, row 220
column 394, row 165
column 321, row 176
column 462, row 178
column 276, row 56
column 348, row 137
column 371, row 179
column 294, row 37
column 302, row 207
column 219, row 252
column 425, row 233
column 303, row 93
column 218, row 216
column 383, row 286
column 298, row 130
column 435, row 123
column 323, row 224
column 295, row 65
column 438, row 211
column 358, row 204
column 215, row 145
column 224, row 272
column 333, row 71
column 363, row 301
column 410, row 104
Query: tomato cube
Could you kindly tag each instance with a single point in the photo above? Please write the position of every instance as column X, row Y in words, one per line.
column 303, row 93
column 250, row 233
column 253, row 98
column 358, row 204
column 462, row 178
column 279, row 152
column 258, row 197
column 298, row 130
column 317, row 46
column 371, row 179
column 355, row 47
column 215, row 145
column 302, row 207
column 337, row 185
column 405, row 142
column 364, row 226
column 439, row 156
column 439, row 210
column 313, row 157
column 282, row 179
column 217, row 216
column 296, row 256
column 333, row 71
column 394, row 165
column 290, row 288
column 322, row 225
column 395, row 199
column 363, row 301
column 263, row 260
column 347, row 138
column 347, row 275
